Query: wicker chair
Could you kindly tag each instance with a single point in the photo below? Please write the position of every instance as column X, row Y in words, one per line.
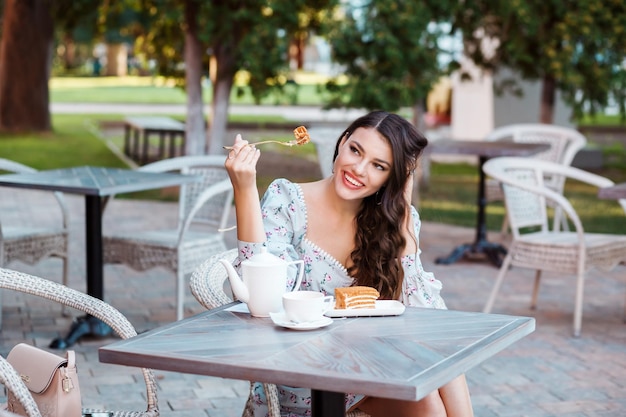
column 28, row 284
column 30, row 243
column 526, row 195
column 204, row 207
column 13, row 383
column 564, row 145
column 207, row 286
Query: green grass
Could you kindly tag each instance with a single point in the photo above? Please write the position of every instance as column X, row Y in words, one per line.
column 72, row 143
column 157, row 90
column 603, row 120
column 450, row 198
column 452, row 194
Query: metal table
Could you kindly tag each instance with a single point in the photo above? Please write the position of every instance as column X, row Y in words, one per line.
column 403, row 357
column 615, row 192
column 93, row 183
column 495, row 252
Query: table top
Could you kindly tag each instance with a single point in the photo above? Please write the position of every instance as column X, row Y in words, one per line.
column 155, row 123
column 89, row 180
column 616, row 192
column 486, row 149
column 403, row 357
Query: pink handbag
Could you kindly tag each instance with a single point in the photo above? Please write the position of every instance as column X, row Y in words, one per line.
column 51, row 379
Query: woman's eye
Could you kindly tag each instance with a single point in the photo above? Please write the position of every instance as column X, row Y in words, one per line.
column 380, row 167
column 354, row 149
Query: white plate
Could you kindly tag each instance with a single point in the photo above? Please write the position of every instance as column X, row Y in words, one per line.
column 383, row 308
column 280, row 319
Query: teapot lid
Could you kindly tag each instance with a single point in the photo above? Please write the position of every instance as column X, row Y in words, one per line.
column 264, row 258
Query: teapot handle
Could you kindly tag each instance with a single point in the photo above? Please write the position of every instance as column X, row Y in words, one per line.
column 296, row 286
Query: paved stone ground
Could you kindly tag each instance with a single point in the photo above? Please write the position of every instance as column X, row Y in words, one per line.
column 548, row 373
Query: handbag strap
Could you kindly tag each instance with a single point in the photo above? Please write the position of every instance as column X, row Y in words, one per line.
column 71, row 358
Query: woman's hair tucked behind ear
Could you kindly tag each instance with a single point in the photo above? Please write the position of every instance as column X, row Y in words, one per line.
column 379, row 239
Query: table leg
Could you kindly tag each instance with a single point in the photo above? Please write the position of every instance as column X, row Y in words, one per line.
column 136, row 136
column 327, row 404
column 146, row 143
column 127, row 134
column 89, row 325
column 495, row 252
column 182, row 144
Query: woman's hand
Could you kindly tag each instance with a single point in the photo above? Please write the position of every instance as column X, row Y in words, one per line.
column 241, row 164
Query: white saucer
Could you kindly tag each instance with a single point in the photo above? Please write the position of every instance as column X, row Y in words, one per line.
column 280, row 319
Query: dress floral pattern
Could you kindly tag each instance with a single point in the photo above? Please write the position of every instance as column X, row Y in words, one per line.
column 284, row 214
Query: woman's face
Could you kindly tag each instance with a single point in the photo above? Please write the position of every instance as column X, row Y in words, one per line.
column 363, row 164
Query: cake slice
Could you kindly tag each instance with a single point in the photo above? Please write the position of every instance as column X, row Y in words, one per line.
column 355, row 297
column 302, row 135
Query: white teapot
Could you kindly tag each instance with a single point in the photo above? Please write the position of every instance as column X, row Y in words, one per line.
column 264, row 282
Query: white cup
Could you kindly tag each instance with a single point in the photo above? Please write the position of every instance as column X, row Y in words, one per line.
column 306, row 306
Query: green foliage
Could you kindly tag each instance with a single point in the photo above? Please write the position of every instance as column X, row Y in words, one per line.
column 389, row 50
column 256, row 32
column 581, row 45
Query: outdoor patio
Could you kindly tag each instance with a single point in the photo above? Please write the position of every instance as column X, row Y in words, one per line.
column 548, row 373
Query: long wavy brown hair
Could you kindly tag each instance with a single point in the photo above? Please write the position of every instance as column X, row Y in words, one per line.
column 376, row 258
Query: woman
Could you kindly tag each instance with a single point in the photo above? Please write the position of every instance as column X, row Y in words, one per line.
column 356, row 227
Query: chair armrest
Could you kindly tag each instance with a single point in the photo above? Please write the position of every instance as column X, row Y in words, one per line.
column 50, row 290
column 13, row 382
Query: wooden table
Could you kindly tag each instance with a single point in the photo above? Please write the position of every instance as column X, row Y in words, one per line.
column 495, row 252
column 137, row 132
column 403, row 357
column 616, row 192
column 94, row 183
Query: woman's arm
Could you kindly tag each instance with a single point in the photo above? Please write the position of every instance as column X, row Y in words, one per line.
column 241, row 166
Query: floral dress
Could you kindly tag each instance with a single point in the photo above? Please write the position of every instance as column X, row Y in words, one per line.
column 284, row 214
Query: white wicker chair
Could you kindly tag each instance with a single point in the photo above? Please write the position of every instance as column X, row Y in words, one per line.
column 526, row 195
column 28, row 284
column 204, row 207
column 564, row 145
column 13, row 383
column 31, row 242
column 207, row 286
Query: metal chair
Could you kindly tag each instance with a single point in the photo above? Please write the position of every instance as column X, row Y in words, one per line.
column 564, row 145
column 207, row 286
column 40, row 287
column 32, row 241
column 535, row 246
column 204, row 207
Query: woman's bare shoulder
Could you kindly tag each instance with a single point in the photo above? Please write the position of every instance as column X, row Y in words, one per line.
column 313, row 187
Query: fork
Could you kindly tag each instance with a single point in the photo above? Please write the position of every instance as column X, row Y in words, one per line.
column 293, row 142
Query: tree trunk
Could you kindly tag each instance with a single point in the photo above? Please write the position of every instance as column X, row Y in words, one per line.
column 117, row 60
column 69, row 52
column 25, row 55
column 194, row 126
column 223, row 83
column 548, row 95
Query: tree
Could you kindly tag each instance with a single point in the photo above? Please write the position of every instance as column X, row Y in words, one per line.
column 577, row 47
column 390, row 51
column 25, row 55
column 248, row 36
